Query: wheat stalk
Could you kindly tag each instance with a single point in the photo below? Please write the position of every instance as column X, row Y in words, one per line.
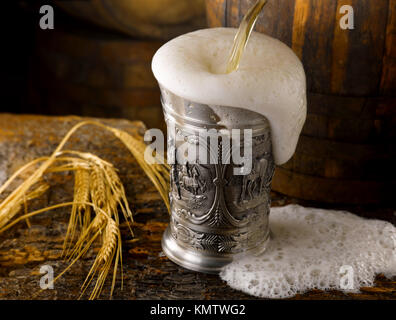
column 111, row 247
column 98, row 186
column 14, row 198
column 8, row 212
column 81, row 195
column 156, row 172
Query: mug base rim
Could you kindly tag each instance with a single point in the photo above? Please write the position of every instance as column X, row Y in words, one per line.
column 202, row 261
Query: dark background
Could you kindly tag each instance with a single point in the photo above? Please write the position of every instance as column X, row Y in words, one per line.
column 80, row 67
column 17, row 26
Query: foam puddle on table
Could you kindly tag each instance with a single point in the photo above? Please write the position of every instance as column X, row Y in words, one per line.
column 316, row 248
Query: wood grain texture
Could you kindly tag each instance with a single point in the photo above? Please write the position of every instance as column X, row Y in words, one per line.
column 343, row 150
column 301, row 13
column 366, row 48
column 343, row 62
column 215, row 10
column 148, row 274
column 317, row 48
column 388, row 80
column 341, row 191
column 340, row 47
column 349, row 136
column 278, row 27
column 327, row 166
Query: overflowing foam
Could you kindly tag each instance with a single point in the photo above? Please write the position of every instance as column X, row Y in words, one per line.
column 315, row 248
column 270, row 79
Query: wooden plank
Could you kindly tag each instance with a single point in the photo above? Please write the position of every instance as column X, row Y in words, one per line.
column 331, row 190
column 340, row 48
column 388, row 80
column 232, row 13
column 366, row 48
column 351, row 119
column 276, row 19
column 343, row 62
column 301, row 13
column 358, row 130
column 341, row 150
column 338, row 106
column 317, row 49
column 215, row 13
column 350, row 107
column 375, row 168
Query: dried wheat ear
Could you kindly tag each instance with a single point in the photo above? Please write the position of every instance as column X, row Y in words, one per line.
column 99, row 198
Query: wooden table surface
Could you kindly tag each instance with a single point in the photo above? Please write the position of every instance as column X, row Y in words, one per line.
column 148, row 274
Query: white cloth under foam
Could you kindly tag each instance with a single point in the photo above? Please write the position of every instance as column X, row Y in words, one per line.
column 308, row 250
column 270, row 79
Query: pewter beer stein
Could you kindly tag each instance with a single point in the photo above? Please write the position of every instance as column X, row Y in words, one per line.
column 216, row 215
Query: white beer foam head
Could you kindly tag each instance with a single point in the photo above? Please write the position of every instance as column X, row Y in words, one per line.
column 270, row 79
column 316, row 248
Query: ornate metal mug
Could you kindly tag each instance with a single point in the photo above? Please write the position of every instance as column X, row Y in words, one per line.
column 216, row 216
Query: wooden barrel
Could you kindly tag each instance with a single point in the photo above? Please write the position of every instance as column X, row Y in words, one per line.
column 158, row 19
column 95, row 74
column 347, row 150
